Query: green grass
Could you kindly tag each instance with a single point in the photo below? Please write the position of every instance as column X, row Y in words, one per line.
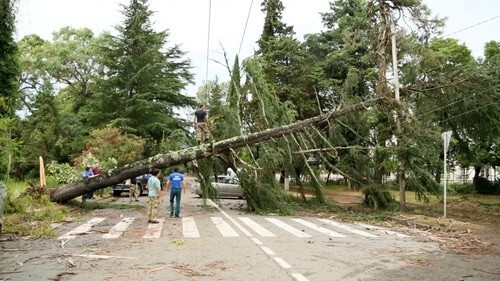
column 33, row 214
column 15, row 188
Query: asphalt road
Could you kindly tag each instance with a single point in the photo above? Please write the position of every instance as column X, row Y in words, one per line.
column 225, row 243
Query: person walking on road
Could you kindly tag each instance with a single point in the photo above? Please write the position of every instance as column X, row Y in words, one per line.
column 201, row 125
column 154, row 188
column 175, row 185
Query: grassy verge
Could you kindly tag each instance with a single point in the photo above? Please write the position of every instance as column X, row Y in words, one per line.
column 29, row 212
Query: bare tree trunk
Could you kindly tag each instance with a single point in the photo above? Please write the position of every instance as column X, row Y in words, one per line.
column 161, row 161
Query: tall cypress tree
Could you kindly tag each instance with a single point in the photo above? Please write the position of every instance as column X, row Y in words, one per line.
column 144, row 78
column 284, row 60
column 9, row 65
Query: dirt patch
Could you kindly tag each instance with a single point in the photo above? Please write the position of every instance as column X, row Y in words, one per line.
column 472, row 225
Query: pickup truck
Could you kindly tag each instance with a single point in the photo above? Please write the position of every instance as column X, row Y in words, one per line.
column 142, row 185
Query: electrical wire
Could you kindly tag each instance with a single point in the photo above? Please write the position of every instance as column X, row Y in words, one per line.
column 208, row 45
column 467, row 112
column 457, row 101
column 245, row 29
column 472, row 26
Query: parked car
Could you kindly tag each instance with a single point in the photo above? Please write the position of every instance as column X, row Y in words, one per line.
column 225, row 186
column 142, row 185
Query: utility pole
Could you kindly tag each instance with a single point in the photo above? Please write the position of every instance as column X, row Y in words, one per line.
column 401, row 170
column 446, row 142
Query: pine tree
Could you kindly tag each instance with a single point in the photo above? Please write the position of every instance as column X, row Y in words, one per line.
column 9, row 64
column 144, row 78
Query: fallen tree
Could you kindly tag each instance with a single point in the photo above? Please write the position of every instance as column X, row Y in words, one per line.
column 168, row 159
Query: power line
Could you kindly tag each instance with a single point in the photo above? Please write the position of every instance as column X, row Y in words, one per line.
column 208, row 44
column 467, row 112
column 245, row 29
column 457, row 101
column 472, row 26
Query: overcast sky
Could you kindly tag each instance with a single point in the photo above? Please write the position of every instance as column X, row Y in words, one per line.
column 187, row 22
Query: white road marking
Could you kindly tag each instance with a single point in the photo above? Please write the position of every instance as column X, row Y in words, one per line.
column 380, row 229
column 348, row 228
column 154, row 230
column 299, row 277
column 189, row 228
column 268, row 251
column 282, row 263
column 256, row 227
column 224, row 228
column 288, row 228
column 319, row 228
column 261, row 230
column 239, row 226
column 118, row 229
column 81, row 229
column 256, row 241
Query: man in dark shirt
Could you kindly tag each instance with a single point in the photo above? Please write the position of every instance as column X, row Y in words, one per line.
column 201, row 124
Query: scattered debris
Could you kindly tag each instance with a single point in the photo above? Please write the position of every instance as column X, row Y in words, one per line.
column 59, row 275
column 177, row 242
column 98, row 256
column 187, row 271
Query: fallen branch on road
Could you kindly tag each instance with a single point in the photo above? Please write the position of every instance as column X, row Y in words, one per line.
column 59, row 275
column 98, row 256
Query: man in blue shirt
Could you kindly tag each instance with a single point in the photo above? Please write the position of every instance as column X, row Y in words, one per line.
column 154, row 188
column 175, row 185
column 87, row 174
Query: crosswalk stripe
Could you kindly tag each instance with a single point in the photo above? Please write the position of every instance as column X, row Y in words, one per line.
column 224, row 228
column 319, row 228
column 288, row 228
column 72, row 234
column 118, row 229
column 268, row 251
column 189, row 228
column 256, row 227
column 299, row 277
column 348, row 228
column 154, row 229
column 282, row 263
column 383, row 230
column 237, row 224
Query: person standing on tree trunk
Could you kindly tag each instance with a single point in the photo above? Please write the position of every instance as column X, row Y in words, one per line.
column 154, row 189
column 201, row 124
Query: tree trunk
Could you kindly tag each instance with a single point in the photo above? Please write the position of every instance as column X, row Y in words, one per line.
column 161, row 161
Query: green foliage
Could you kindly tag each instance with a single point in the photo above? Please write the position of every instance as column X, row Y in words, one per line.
column 377, row 197
column 484, row 186
column 263, row 194
column 206, row 172
column 9, row 61
column 26, row 215
column 63, row 173
column 142, row 81
column 176, row 140
column 110, row 147
column 460, row 188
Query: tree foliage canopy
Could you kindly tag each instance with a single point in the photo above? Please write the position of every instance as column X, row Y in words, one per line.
column 80, row 92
